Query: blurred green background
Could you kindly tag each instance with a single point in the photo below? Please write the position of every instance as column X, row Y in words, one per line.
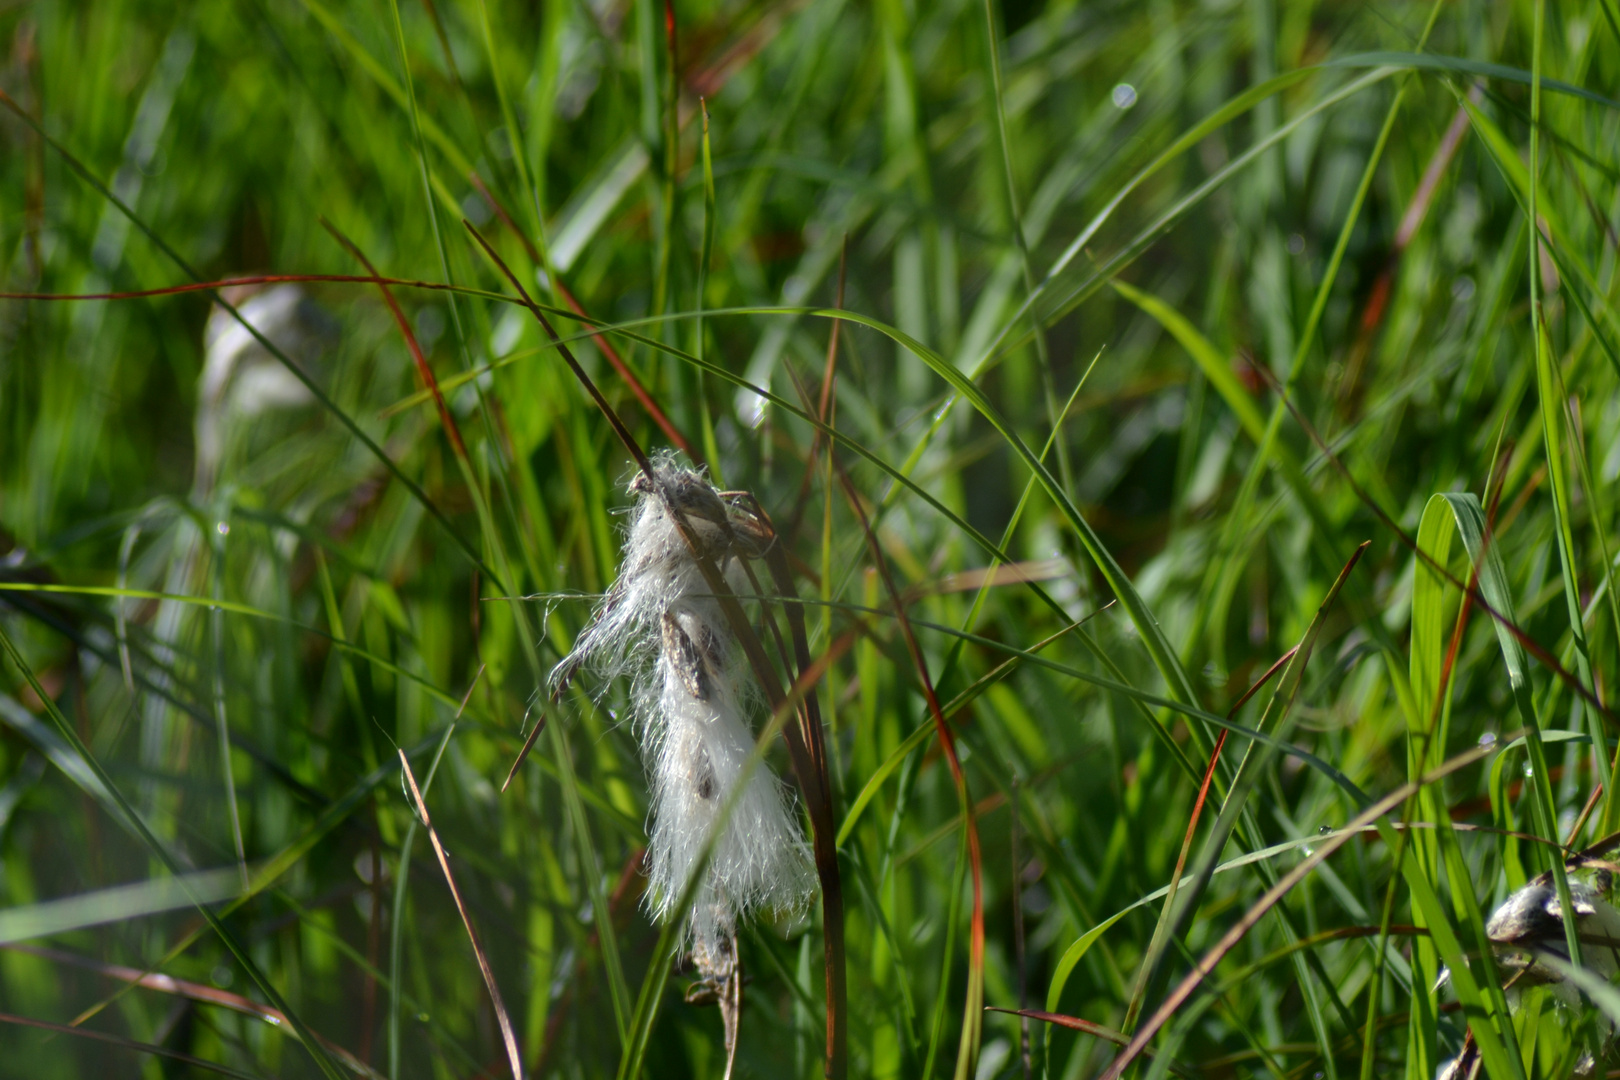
column 1102, row 220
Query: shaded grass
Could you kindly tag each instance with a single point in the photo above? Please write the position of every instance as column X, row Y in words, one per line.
column 1018, row 199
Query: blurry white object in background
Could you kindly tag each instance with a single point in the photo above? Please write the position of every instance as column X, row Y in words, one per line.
column 241, row 378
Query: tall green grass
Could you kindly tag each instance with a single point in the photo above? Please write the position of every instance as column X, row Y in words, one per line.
column 1172, row 306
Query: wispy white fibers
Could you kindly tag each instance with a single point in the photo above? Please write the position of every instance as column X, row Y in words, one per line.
column 660, row 627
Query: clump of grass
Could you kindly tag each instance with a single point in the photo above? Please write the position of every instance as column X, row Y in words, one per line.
column 1186, row 306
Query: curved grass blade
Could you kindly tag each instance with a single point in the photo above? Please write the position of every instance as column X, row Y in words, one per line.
column 1458, row 65
column 236, row 608
column 192, row 991
column 911, row 742
column 973, row 1016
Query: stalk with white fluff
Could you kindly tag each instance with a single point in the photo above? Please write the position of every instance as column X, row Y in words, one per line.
column 661, row 626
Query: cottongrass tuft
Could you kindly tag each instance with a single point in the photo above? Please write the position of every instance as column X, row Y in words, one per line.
column 661, row 627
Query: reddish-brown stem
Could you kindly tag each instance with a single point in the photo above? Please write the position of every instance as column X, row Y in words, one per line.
column 616, row 361
column 947, row 739
column 423, row 369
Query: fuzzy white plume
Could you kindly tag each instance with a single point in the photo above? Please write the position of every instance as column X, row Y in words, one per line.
column 660, row 627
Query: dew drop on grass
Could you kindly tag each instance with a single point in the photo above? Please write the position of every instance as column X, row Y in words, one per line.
column 1325, row 830
column 224, row 528
column 1488, row 739
column 1124, row 96
column 1529, row 770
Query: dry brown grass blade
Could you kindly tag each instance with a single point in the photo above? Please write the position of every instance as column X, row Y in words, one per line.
column 508, row 1036
column 1257, row 911
column 824, row 403
column 1417, row 208
column 824, row 830
column 528, row 744
column 1075, row 1023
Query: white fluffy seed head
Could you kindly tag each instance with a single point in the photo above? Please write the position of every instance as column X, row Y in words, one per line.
column 660, row 627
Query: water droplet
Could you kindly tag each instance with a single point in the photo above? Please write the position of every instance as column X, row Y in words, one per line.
column 1307, row 850
column 1488, row 739
column 1529, row 770
column 1124, row 96
column 1325, row 830
column 224, row 528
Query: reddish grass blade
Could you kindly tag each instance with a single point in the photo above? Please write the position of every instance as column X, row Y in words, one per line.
column 508, row 1036
column 947, row 742
column 1372, row 315
column 1024, row 1058
column 708, row 81
column 623, row 433
column 1073, row 1023
column 824, row 404
column 824, row 830
column 629, row 876
column 528, row 745
column 245, row 279
column 422, row 367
